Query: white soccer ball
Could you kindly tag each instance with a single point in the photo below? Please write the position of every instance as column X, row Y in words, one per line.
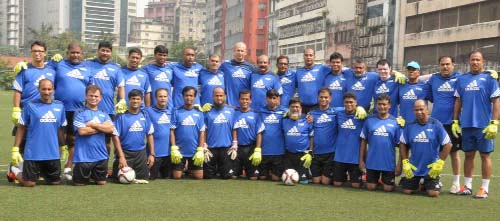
column 290, row 177
column 126, row 175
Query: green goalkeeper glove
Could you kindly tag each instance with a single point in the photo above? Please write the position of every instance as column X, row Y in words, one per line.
column 121, row 106
column 175, row 155
column 493, row 73
column 16, row 114
column 199, row 157
column 20, row 66
column 455, row 128
column 490, row 132
column 307, row 158
column 256, row 157
column 436, row 168
column 16, row 157
column 64, row 153
column 398, row 77
column 408, row 168
column 360, row 113
column 206, row 107
column 57, row 57
column 401, row 121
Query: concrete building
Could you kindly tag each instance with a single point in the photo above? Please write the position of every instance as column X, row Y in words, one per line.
column 339, row 38
column 190, row 20
column 12, row 22
column 161, row 10
column 214, row 26
column 430, row 29
column 128, row 11
column 272, row 46
column 147, row 33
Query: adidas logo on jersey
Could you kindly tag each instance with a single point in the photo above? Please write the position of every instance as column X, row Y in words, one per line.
column 421, row 138
column 191, row 73
column 163, row 119
column 96, row 120
column 323, row 119
column 285, row 81
column 133, row 81
column 335, row 85
column 238, row 74
column 136, row 126
column 242, row 123
column 348, row 124
column 162, row 77
column 308, row 78
column 39, row 79
column 271, row 119
column 48, row 118
column 259, row 84
column 188, row 121
column 472, row 86
column 75, row 73
column 381, row 131
column 382, row 89
column 220, row 119
column 293, row 132
column 358, row 86
column 214, row 81
column 410, row 95
column 445, row 87
column 102, row 75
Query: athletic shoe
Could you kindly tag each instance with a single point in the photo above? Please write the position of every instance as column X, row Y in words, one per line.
column 454, row 189
column 306, row 181
column 464, row 190
column 67, row 175
column 481, row 194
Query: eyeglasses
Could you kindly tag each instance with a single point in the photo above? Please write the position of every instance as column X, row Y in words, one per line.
column 37, row 51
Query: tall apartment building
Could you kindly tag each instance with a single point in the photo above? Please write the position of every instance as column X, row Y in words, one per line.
column 272, row 46
column 190, row 20
column 128, row 11
column 339, row 38
column 147, row 33
column 431, row 29
column 161, row 10
column 214, row 26
column 12, row 23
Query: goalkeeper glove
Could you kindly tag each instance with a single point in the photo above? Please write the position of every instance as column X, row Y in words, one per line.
column 233, row 150
column 121, row 106
column 57, row 57
column 398, row 77
column 16, row 114
column 198, row 157
column 206, row 107
column 400, row 121
column 490, row 132
column 198, row 107
column 256, row 157
column 16, row 157
column 493, row 73
column 455, row 128
column 175, row 155
column 408, row 168
column 207, row 154
column 436, row 168
column 307, row 158
column 20, row 66
column 360, row 113
column 64, row 153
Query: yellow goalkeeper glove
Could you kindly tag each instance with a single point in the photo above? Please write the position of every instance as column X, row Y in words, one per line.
column 307, row 158
column 493, row 73
column 16, row 157
column 398, row 77
column 256, row 157
column 455, row 128
column 206, row 107
column 490, row 132
column 408, row 168
column 121, row 106
column 199, row 157
column 16, row 114
column 175, row 155
column 57, row 57
column 20, row 66
column 360, row 113
column 401, row 121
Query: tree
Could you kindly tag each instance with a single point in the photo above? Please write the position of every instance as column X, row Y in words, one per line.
column 175, row 52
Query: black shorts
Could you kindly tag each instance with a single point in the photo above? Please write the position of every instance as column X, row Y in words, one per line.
column 243, row 162
column 456, row 142
column 186, row 162
column 220, row 164
column 322, row 165
column 50, row 170
column 97, row 171
column 292, row 161
column 414, row 182
column 137, row 160
column 388, row 177
column 161, row 168
column 271, row 164
column 342, row 169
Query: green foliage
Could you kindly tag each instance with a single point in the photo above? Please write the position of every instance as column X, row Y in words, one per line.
column 6, row 76
column 175, row 52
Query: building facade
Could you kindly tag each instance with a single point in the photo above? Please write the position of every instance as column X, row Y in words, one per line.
column 147, row 33
column 12, row 22
column 53, row 13
column 190, row 20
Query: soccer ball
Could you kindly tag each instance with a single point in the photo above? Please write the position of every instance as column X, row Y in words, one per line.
column 126, row 175
column 290, row 177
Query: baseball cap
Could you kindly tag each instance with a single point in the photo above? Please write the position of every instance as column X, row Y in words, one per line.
column 413, row 64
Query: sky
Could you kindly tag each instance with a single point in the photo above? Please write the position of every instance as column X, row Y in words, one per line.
column 141, row 4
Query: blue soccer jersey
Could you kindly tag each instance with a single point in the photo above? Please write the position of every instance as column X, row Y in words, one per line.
column 391, row 88
column 90, row 148
column 424, row 142
column 260, row 84
column 160, row 77
column 382, row 136
column 289, row 84
column 136, row 79
column 133, row 129
column 43, row 122
column 161, row 120
column 273, row 141
column 187, row 125
column 208, row 82
column 219, row 127
column 236, row 78
column 347, row 143
column 26, row 82
column 70, row 84
column 441, row 93
column 309, row 81
column 297, row 134
column 408, row 94
column 184, row 76
column 247, row 125
column 475, row 92
column 108, row 77
column 325, row 126
column 336, row 84
column 363, row 88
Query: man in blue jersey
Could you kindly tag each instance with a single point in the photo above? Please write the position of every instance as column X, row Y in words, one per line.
column 270, row 156
column 185, row 74
column 135, row 78
column 210, row 79
column 91, row 126
column 309, row 79
column 133, row 129
column 410, row 92
column 379, row 138
column 160, row 74
column 262, row 81
column 247, row 135
column 325, row 126
column 287, row 79
column 347, row 144
column 187, row 137
column 161, row 118
column 362, row 83
column 387, row 85
column 429, row 145
column 237, row 73
column 477, row 107
column 336, row 80
column 42, row 121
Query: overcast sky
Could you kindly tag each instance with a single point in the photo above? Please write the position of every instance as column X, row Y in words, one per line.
column 141, row 4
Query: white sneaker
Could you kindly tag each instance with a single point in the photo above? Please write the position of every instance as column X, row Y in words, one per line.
column 67, row 175
column 454, row 189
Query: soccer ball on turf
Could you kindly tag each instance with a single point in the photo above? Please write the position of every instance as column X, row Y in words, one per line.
column 126, row 175
column 290, row 177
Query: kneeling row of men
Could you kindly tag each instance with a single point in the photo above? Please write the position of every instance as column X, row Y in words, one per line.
column 329, row 143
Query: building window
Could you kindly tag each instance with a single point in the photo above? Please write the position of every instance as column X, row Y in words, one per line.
column 430, row 21
column 413, row 24
column 449, row 18
column 260, row 23
column 259, row 52
column 468, row 14
column 490, row 11
column 262, row 6
column 375, row 11
column 319, row 46
column 260, row 37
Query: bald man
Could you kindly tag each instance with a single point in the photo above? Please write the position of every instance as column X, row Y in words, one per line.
column 262, row 81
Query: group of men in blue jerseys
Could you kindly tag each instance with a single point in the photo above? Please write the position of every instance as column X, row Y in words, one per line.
column 235, row 119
